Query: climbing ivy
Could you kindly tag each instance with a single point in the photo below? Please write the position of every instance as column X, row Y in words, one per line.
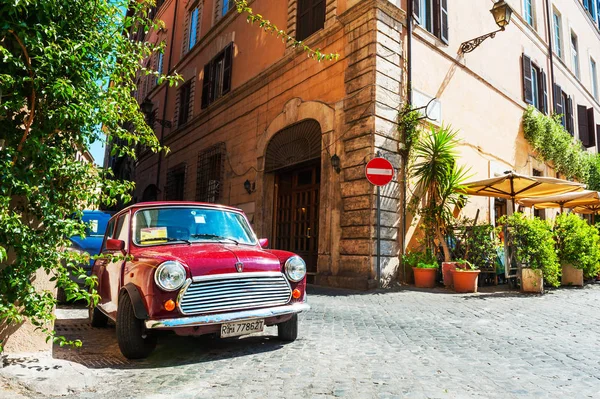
column 408, row 127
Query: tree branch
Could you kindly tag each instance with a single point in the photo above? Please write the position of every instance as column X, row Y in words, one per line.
column 29, row 121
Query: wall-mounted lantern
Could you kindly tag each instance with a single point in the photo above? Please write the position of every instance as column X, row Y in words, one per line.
column 335, row 163
column 502, row 13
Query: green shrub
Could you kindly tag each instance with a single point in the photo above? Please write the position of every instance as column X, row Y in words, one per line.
column 577, row 243
column 416, row 258
column 533, row 241
column 422, row 265
column 481, row 243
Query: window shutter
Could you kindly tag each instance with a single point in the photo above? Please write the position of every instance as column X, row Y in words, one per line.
column 558, row 106
column 303, row 19
column 444, row 21
column 544, row 92
column 206, row 86
column 569, row 116
column 417, row 10
column 527, row 82
column 318, row 16
column 591, row 125
column 582, row 121
column 227, row 66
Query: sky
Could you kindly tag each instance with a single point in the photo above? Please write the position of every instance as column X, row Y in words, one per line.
column 97, row 151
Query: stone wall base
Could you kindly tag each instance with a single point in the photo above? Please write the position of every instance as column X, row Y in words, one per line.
column 360, row 283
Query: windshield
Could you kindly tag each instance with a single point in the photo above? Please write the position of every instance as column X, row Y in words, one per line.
column 190, row 224
column 95, row 223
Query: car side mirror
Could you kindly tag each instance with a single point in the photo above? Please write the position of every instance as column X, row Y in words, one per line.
column 113, row 244
column 264, row 242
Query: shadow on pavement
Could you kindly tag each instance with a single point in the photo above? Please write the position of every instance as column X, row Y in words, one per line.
column 100, row 348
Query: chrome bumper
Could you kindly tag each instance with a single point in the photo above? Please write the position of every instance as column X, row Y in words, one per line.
column 211, row 319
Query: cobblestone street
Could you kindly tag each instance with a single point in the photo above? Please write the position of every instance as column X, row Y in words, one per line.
column 407, row 344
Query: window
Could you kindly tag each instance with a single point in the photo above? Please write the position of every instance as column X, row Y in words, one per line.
column 535, row 91
column 217, row 76
column 159, row 65
column 528, row 11
column 193, row 32
column 563, row 105
column 594, row 78
column 310, row 18
column 557, row 34
column 184, row 103
column 209, row 175
column 175, row 183
column 432, row 15
column 587, row 126
column 122, row 231
column 227, row 5
column 575, row 54
column 591, row 8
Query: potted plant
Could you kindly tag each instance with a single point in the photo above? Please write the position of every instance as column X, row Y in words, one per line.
column 577, row 249
column 424, row 266
column 439, row 185
column 534, row 251
column 465, row 278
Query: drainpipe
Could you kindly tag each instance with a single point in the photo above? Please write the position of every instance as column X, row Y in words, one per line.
column 162, row 128
column 409, row 32
column 548, row 23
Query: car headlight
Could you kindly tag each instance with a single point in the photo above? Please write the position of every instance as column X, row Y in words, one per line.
column 170, row 275
column 295, row 268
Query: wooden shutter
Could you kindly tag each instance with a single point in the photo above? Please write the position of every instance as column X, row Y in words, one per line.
column 591, row 125
column 207, row 86
column 303, row 19
column 318, row 16
column 444, row 21
column 543, row 90
column 527, row 81
column 417, row 10
column 227, row 66
column 569, row 116
column 582, row 121
column 558, row 106
column 186, row 34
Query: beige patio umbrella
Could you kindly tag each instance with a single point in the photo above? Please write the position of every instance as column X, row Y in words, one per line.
column 515, row 186
column 574, row 200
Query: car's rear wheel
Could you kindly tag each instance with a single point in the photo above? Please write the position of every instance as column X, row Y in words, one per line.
column 134, row 341
column 97, row 318
column 288, row 331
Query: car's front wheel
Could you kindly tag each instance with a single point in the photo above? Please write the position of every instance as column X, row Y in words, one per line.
column 288, row 331
column 134, row 341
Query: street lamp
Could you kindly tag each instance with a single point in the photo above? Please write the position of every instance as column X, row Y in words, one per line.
column 335, row 163
column 502, row 13
column 147, row 107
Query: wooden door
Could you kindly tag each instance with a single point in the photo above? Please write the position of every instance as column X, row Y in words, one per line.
column 297, row 214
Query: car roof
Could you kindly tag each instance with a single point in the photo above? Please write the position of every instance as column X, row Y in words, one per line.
column 152, row 204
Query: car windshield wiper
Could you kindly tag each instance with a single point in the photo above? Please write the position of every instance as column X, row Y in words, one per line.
column 216, row 237
column 168, row 239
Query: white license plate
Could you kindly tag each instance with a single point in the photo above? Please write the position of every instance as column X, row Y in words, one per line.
column 241, row 328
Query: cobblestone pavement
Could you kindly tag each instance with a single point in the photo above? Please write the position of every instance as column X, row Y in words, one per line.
column 406, row 344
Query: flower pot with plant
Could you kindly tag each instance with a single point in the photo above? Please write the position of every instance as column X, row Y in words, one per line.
column 424, row 266
column 465, row 279
column 439, row 186
column 577, row 245
column 533, row 241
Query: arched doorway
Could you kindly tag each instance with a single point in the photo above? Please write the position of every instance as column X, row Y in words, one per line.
column 150, row 193
column 293, row 155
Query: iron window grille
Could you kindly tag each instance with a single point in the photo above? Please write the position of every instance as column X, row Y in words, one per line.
column 209, row 173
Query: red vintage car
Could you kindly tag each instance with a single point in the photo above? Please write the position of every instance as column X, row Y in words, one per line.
column 196, row 269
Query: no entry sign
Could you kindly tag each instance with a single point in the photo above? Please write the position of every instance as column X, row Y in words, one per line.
column 379, row 171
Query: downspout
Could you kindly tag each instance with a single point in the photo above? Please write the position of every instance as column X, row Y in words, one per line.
column 162, row 128
column 409, row 31
column 548, row 23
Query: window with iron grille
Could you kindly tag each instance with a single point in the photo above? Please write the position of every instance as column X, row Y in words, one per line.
column 184, row 102
column 175, row 183
column 209, row 175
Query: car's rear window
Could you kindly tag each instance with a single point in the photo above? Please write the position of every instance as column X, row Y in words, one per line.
column 96, row 223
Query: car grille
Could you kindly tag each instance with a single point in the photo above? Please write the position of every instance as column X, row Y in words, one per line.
column 234, row 292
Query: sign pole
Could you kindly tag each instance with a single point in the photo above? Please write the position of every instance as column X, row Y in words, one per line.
column 378, row 236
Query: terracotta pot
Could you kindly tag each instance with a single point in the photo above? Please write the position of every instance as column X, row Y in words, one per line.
column 465, row 280
column 532, row 281
column 447, row 268
column 571, row 276
column 424, row 278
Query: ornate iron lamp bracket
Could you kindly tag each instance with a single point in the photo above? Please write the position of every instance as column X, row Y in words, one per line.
column 470, row 45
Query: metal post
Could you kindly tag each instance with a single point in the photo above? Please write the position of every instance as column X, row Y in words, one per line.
column 378, row 236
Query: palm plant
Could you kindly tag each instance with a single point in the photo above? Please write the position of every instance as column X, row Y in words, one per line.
column 440, row 181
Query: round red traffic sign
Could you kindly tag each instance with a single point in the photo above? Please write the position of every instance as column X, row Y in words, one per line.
column 379, row 171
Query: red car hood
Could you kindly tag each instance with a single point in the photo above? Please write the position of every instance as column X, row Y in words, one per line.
column 214, row 258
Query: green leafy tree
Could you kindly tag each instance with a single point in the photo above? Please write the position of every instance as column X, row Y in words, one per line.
column 56, row 59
